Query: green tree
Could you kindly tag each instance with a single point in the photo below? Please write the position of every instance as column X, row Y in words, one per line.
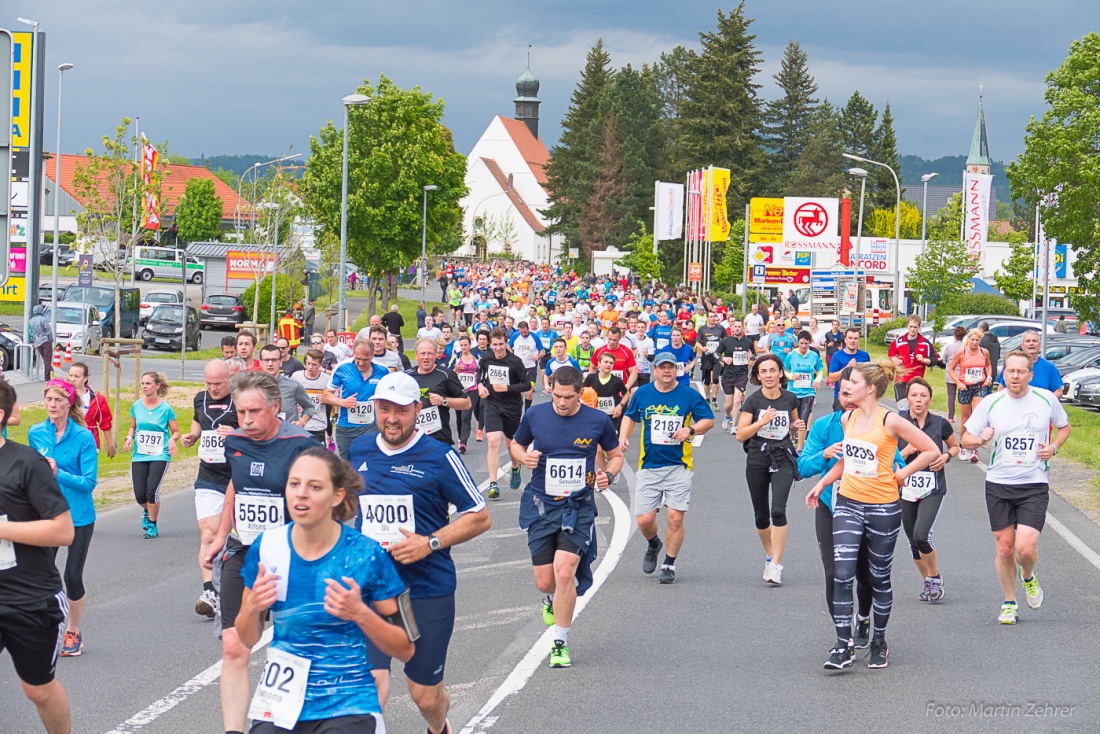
column 857, row 126
column 945, row 269
column 723, row 113
column 199, row 212
column 396, row 145
column 1016, row 276
column 819, row 170
column 641, row 261
column 1061, row 162
column 602, row 210
column 672, row 79
column 946, row 224
column 575, row 160
column 787, row 120
column 883, row 222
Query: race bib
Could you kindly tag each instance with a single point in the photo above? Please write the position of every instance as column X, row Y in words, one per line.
column 362, row 414
column 974, row 375
column 778, row 428
column 281, row 692
column 150, row 443
column 255, row 513
column 712, row 347
column 661, row 343
column 384, row 515
column 1019, row 448
column 740, row 358
column 919, row 485
column 522, row 350
column 619, row 374
column 605, row 405
column 7, row 552
column 564, row 477
column 428, row 420
column 803, row 380
column 211, row 447
column 661, row 428
column 467, row 380
column 860, row 458
column 315, row 397
column 680, row 368
column 498, row 375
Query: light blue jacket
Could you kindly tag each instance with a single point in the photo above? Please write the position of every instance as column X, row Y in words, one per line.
column 77, row 465
column 824, row 433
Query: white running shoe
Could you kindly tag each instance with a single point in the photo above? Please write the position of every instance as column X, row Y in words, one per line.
column 773, row 573
column 726, row 423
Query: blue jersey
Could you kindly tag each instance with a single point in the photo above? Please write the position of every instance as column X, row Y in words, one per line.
column 1043, row 374
column 564, row 438
column 798, row 366
column 434, row 476
column 151, row 432
column 347, row 380
column 546, row 338
column 841, row 359
column 553, row 365
column 684, row 355
column 661, row 335
column 340, row 681
column 649, row 402
column 782, row 344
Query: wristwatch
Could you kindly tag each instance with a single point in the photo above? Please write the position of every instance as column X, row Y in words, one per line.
column 434, row 543
column 444, row 401
column 691, row 430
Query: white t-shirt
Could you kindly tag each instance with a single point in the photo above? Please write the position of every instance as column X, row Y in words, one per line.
column 314, row 389
column 598, row 341
column 432, row 333
column 754, row 322
column 643, row 350
column 341, row 350
column 1021, row 424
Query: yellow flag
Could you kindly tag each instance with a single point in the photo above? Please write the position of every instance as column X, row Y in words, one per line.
column 719, row 224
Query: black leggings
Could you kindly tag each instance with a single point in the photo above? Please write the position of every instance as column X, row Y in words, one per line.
column 823, row 525
column 147, row 476
column 760, row 478
column 918, row 518
column 853, row 524
column 75, row 560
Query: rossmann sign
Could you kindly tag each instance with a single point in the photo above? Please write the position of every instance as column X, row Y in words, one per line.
column 246, row 264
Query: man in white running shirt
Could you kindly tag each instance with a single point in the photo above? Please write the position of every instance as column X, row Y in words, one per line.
column 754, row 322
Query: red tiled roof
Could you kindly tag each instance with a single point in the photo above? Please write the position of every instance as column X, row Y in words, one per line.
column 173, row 185
column 513, row 195
column 530, row 147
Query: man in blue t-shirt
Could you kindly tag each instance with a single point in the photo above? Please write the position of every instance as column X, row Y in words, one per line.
column 409, row 481
column 850, row 353
column 1043, row 372
column 558, row 507
column 670, row 415
column 351, row 389
column 684, row 355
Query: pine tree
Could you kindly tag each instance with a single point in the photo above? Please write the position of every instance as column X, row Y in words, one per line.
column 787, row 119
column 885, row 150
column 857, row 125
column 600, row 211
column 633, row 101
column 574, row 161
column 819, row 170
column 722, row 115
column 672, row 79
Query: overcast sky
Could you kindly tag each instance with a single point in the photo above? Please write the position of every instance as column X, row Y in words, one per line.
column 245, row 76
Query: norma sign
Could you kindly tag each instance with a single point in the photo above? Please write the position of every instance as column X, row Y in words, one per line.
column 765, row 217
column 787, row 276
column 810, row 223
column 695, row 272
column 247, row 264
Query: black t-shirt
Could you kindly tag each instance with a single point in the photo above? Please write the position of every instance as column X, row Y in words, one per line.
column 710, row 336
column 498, row 293
column 444, row 383
column 291, row 366
column 939, row 430
column 209, row 414
column 511, row 368
column 732, row 345
column 779, row 430
column 614, row 390
column 393, row 322
column 833, row 342
column 28, row 492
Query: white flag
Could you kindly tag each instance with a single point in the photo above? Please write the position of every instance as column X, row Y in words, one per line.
column 976, row 211
column 669, row 207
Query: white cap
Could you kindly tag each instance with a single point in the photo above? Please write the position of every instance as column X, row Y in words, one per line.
column 399, row 388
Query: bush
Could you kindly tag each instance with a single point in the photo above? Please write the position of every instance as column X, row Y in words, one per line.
column 977, row 303
column 877, row 335
column 289, row 293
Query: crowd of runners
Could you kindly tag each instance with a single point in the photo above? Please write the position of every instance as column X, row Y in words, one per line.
column 330, row 490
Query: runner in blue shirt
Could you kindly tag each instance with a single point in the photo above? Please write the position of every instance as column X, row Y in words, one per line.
column 684, row 354
column 661, row 332
column 670, row 415
column 781, row 343
column 805, row 372
column 1043, row 372
column 152, row 439
column 351, row 389
column 842, row 358
column 558, row 507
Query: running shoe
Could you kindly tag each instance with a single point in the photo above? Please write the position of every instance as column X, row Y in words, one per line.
column 773, row 573
column 936, row 594
column 73, row 646
column 733, row 427
column 559, row 655
column 964, row 454
column 973, row 457
column 1008, row 613
column 151, row 531
column 548, row 610
column 862, row 636
column 494, row 491
column 480, row 435
column 514, row 483
column 649, row 560
column 880, row 654
column 667, row 575
column 145, row 521
column 726, row 423
column 840, row 657
column 926, row 593
column 1032, row 591
column 461, row 447
column 207, row 603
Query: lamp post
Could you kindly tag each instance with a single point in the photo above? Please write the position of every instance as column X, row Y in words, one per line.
column 352, row 100
column 424, row 246
column 862, row 174
column 244, row 176
column 61, row 69
column 924, row 222
column 897, row 223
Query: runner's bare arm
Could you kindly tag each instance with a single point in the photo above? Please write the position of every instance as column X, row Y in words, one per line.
column 49, row 533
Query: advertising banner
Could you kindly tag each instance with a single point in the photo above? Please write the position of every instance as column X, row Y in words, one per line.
column 17, row 260
column 810, row 223
column 247, row 264
column 21, row 89
column 718, row 224
column 695, row 272
column 697, row 220
column 765, row 217
column 13, row 290
column 976, row 211
column 669, row 205
column 787, row 276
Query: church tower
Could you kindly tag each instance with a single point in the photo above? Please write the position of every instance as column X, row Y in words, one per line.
column 978, row 161
column 527, row 98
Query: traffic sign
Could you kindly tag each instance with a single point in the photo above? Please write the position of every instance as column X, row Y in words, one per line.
column 758, row 273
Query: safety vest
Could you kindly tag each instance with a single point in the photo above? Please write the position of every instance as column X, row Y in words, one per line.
column 289, row 330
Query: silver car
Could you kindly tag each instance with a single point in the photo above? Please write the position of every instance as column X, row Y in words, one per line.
column 79, row 331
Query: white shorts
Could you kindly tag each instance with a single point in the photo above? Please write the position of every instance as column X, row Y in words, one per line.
column 208, row 503
column 667, row 485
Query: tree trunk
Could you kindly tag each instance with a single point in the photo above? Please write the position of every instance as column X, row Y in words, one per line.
column 372, row 302
column 386, row 292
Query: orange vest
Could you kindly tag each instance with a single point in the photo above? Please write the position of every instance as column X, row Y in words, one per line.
column 288, row 329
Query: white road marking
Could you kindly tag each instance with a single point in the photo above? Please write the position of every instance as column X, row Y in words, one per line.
column 536, row 656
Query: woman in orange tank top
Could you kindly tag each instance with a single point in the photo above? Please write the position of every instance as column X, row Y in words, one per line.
column 867, row 508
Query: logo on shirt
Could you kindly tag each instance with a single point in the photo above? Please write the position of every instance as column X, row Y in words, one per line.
column 407, row 470
column 362, row 467
column 257, row 469
column 583, row 442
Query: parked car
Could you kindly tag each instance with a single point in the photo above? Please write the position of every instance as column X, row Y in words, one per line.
column 165, row 329
column 9, row 340
column 1075, row 381
column 1058, row 346
column 78, row 328
column 65, row 255
column 1001, row 329
column 1078, row 360
column 45, row 294
column 103, row 298
column 221, row 310
column 152, row 299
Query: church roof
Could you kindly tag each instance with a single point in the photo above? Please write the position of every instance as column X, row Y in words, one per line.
column 527, row 86
column 513, row 195
column 530, row 147
column 979, row 144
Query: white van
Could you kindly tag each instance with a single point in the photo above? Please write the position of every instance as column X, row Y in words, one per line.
column 165, row 262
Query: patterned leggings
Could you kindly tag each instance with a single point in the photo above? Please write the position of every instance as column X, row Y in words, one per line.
column 878, row 526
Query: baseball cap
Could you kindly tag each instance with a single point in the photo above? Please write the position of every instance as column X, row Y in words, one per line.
column 663, row 358
column 399, row 388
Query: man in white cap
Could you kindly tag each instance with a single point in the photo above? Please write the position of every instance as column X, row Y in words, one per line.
column 410, row 479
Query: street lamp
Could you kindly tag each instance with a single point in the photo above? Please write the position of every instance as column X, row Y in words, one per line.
column 352, row 100
column 862, row 174
column 424, row 245
column 244, row 176
column 897, row 224
column 924, row 222
column 61, row 69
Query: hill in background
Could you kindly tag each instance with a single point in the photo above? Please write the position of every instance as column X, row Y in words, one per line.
column 950, row 169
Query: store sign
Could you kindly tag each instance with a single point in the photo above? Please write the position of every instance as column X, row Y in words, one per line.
column 17, row 260
column 811, row 223
column 765, row 217
column 787, row 276
column 247, row 264
column 873, row 262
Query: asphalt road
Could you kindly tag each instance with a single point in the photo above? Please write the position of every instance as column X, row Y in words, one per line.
column 718, row 651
